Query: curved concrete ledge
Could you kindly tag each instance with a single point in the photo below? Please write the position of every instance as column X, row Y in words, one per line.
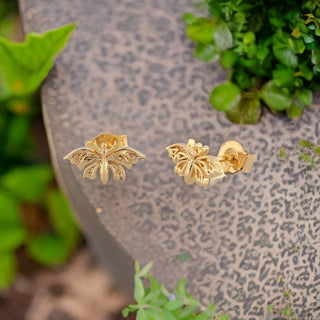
column 130, row 70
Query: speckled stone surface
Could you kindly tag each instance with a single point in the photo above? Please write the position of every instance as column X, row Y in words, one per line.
column 129, row 69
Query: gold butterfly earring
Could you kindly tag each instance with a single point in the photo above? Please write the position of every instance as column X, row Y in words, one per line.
column 197, row 166
column 104, row 153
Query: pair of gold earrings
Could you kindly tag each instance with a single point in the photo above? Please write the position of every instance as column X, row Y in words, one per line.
column 108, row 152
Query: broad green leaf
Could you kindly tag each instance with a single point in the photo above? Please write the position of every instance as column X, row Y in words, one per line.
column 283, row 51
column 202, row 30
column 225, row 96
column 138, row 288
column 61, row 218
column 8, row 268
column 249, row 37
column 28, row 184
column 315, row 56
column 304, row 96
column 274, row 97
column 247, row 111
column 228, row 58
column 25, row 65
column 48, row 249
column 283, row 77
column 189, row 18
column 294, row 111
column 11, row 237
column 206, row 52
column 9, row 210
column 222, row 36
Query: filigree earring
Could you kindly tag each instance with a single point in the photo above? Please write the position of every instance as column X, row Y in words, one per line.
column 197, row 166
column 104, row 153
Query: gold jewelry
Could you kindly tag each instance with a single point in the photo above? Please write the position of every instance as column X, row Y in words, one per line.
column 196, row 166
column 105, row 152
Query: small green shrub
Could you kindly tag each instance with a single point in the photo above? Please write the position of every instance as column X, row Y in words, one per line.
column 272, row 49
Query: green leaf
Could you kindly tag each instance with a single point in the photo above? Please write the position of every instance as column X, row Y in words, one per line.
column 125, row 312
column 283, row 77
column 173, row 305
column 25, row 65
column 274, row 97
column 315, row 56
column 222, row 36
column 304, row 96
column 202, row 30
column 28, row 184
column 225, row 96
column 48, row 249
column 282, row 50
column 294, row 111
column 18, row 134
column 141, row 315
column 11, row 237
column 228, row 58
column 146, row 269
column 247, row 111
column 8, row 268
column 61, row 218
column 205, row 52
column 9, row 210
column 189, row 18
column 181, row 288
column 138, row 288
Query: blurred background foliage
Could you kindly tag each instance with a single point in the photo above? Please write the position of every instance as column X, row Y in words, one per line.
column 34, row 214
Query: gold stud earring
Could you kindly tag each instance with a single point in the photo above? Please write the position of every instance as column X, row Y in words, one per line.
column 104, row 153
column 196, row 166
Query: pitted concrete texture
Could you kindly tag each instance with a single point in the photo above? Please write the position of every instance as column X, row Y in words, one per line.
column 129, row 69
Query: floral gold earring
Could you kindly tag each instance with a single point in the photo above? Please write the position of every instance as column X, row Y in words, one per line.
column 104, row 153
column 197, row 166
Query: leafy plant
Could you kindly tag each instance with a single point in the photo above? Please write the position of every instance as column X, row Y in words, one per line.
column 154, row 301
column 272, row 49
column 33, row 211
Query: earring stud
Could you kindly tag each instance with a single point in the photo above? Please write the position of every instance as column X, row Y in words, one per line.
column 103, row 153
column 197, row 166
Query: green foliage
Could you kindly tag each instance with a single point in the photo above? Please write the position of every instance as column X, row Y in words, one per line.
column 310, row 154
column 155, row 302
column 24, row 180
column 24, row 65
column 272, row 49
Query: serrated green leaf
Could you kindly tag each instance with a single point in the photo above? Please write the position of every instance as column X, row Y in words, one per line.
column 225, row 96
column 247, row 111
column 61, row 218
column 274, row 97
column 8, row 268
column 28, row 184
column 206, row 52
column 25, row 65
column 48, row 249
column 202, row 30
